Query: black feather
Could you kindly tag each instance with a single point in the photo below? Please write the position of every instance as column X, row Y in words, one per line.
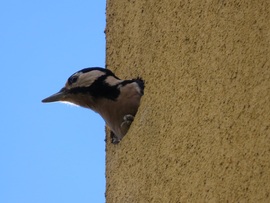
column 99, row 89
column 107, row 71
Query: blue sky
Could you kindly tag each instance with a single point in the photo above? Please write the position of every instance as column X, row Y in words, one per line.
column 49, row 153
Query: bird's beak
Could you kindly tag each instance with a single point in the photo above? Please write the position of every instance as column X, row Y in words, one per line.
column 59, row 96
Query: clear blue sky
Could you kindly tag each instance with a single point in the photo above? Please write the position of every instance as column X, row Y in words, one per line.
column 49, row 153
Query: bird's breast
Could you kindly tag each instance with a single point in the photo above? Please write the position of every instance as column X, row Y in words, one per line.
column 113, row 111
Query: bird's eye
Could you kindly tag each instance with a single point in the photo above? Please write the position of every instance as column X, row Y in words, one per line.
column 72, row 79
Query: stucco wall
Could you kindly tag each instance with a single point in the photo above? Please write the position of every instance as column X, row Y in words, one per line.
column 202, row 133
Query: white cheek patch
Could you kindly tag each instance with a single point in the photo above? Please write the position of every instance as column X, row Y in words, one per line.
column 137, row 88
column 112, row 81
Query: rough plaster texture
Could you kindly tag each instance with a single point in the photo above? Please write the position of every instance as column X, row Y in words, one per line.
column 202, row 133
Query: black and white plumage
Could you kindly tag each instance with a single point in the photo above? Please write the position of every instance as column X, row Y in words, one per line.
column 116, row 100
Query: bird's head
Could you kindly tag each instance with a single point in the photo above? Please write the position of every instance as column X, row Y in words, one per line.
column 86, row 85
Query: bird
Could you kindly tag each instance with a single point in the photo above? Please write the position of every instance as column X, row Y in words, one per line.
column 99, row 89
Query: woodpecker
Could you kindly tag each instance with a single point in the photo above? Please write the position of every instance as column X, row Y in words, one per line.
column 98, row 89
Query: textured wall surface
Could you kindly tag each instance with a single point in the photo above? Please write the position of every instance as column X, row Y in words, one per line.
column 202, row 133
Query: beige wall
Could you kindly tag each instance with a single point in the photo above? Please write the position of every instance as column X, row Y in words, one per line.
column 202, row 133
